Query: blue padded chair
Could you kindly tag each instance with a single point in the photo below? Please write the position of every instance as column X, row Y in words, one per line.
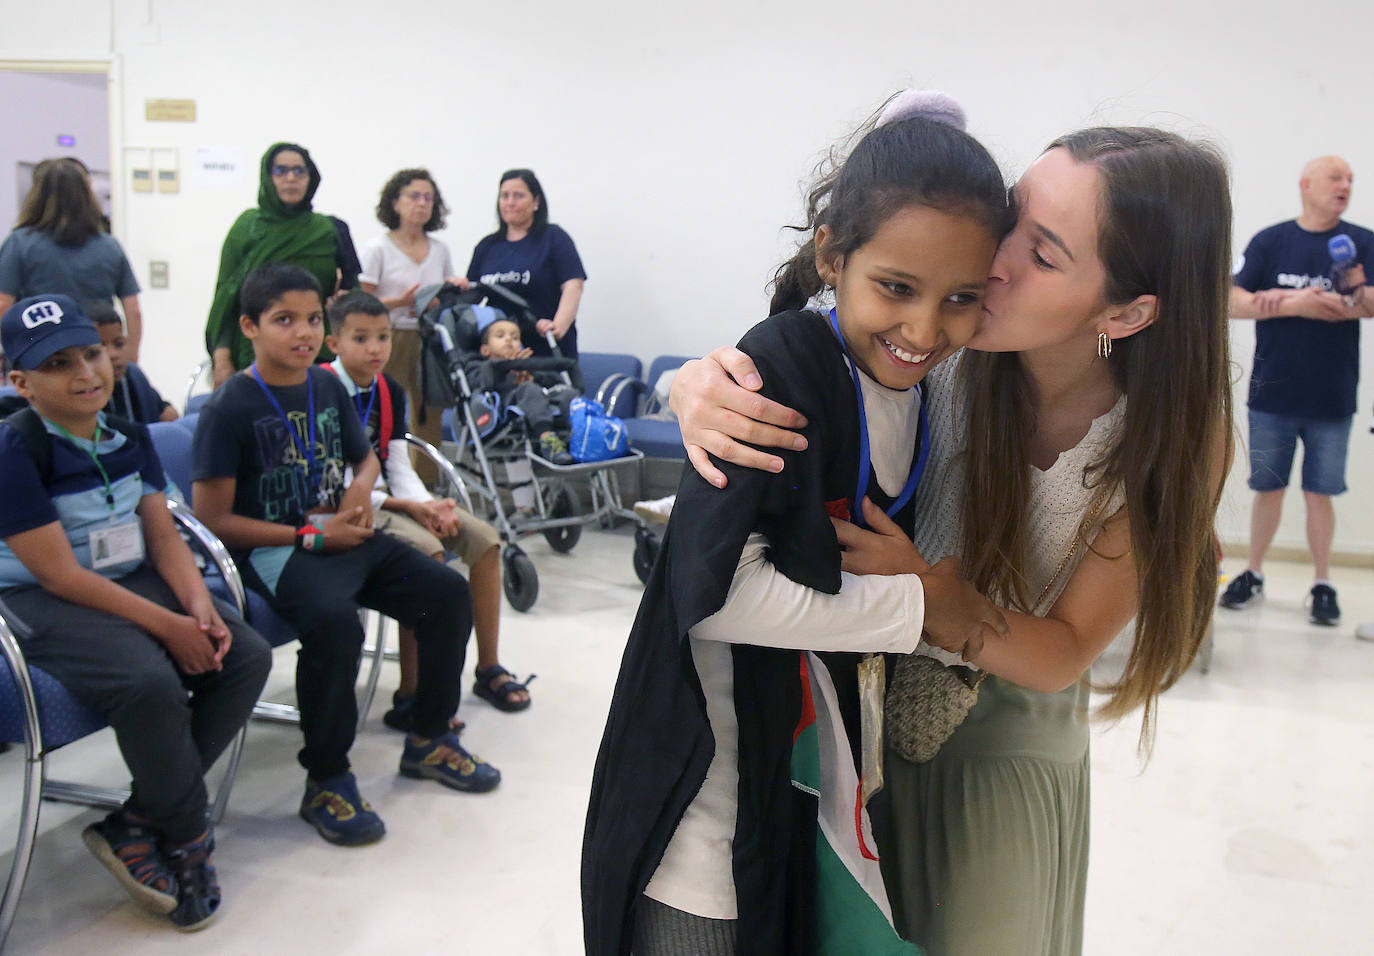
column 603, row 373
column 173, row 443
column 654, row 437
column 37, row 711
column 665, row 363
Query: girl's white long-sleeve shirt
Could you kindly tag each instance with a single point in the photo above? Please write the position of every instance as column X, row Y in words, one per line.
column 871, row 613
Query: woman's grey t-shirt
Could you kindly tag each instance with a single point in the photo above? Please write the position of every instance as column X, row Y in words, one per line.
column 33, row 263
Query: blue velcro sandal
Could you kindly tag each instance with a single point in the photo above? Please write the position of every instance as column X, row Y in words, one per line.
column 130, row 852
column 198, row 894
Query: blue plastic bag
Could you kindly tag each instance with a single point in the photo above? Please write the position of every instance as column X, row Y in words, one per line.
column 596, row 436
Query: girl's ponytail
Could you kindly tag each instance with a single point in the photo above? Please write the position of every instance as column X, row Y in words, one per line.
column 796, row 281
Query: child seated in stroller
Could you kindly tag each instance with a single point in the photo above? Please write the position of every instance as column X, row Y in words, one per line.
column 522, row 391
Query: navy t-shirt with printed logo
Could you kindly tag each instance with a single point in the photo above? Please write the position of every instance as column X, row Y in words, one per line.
column 241, row 435
column 1307, row 368
column 74, row 492
column 535, row 269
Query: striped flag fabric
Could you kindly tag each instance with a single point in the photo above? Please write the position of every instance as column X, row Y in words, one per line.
column 853, row 914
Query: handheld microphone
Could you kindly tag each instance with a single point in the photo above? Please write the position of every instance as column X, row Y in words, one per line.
column 1342, row 249
column 1343, row 277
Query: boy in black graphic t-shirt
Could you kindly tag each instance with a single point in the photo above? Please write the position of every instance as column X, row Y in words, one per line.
column 270, row 456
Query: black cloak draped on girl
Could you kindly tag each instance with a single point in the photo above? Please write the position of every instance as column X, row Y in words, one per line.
column 658, row 742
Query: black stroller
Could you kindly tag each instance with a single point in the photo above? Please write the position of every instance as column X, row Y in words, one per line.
column 494, row 455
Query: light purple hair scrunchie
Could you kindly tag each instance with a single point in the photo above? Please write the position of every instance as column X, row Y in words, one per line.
column 928, row 104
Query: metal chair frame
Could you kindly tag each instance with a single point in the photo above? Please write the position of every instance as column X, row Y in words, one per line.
column 279, row 713
column 191, row 381
column 449, row 476
column 37, row 787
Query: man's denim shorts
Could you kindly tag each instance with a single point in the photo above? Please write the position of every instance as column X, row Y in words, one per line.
column 1274, row 438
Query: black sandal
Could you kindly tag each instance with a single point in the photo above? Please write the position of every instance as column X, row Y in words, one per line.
column 500, row 696
column 401, row 716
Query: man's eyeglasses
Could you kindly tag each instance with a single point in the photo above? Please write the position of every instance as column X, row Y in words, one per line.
column 299, row 171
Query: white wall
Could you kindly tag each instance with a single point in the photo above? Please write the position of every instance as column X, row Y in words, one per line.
column 671, row 140
column 39, row 107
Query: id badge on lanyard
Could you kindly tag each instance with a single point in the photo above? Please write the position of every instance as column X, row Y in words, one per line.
column 872, row 692
column 117, row 543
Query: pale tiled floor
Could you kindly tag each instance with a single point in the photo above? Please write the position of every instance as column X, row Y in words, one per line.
column 1251, row 830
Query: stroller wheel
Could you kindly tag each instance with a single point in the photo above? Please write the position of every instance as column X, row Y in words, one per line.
column 521, row 580
column 646, row 553
column 561, row 502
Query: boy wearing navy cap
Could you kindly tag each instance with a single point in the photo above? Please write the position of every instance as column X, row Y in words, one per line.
column 108, row 600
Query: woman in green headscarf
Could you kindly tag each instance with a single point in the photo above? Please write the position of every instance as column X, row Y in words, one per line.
column 281, row 229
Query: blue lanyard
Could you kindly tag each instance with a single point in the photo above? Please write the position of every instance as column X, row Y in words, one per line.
column 365, row 414
column 856, row 513
column 308, row 456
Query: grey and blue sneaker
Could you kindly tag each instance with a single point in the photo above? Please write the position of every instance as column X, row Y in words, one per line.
column 1324, row 610
column 446, row 760
column 335, row 808
column 1245, row 589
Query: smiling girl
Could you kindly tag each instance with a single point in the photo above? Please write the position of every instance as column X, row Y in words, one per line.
column 697, row 841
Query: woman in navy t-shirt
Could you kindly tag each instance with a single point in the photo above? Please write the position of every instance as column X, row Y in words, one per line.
column 533, row 258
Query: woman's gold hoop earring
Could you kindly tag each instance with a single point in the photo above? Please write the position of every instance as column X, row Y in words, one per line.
column 1104, row 345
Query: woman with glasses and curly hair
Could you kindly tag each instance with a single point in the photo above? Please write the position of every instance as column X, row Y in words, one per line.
column 398, row 263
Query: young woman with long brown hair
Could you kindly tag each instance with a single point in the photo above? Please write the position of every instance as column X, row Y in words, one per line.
column 1078, row 466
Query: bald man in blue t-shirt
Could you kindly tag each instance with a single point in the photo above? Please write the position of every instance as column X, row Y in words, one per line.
column 1307, row 353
